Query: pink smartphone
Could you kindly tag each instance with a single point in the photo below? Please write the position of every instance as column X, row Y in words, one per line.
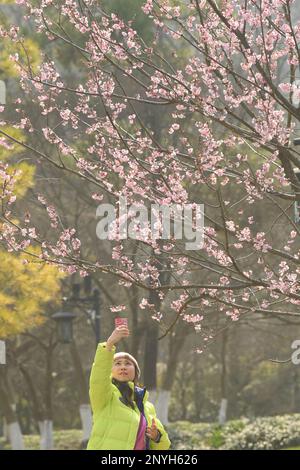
column 121, row 321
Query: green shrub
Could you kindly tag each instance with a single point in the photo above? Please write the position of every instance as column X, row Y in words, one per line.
column 217, row 439
column 271, row 433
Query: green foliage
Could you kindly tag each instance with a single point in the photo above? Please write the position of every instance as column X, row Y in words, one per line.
column 63, row 440
column 264, row 369
column 24, row 179
column 11, row 149
column 187, row 435
column 130, row 11
column 26, row 284
column 217, row 438
column 25, row 288
column 23, row 172
column 28, row 50
column 270, row 433
column 278, row 432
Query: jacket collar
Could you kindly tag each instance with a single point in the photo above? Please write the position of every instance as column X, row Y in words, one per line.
column 132, row 385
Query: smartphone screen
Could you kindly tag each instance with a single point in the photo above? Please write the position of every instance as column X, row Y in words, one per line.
column 121, row 321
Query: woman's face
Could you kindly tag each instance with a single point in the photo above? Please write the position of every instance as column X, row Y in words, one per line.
column 123, row 370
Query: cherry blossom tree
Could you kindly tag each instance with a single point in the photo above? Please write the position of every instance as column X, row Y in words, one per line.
column 228, row 112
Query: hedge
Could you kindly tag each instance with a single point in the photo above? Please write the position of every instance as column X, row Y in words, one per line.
column 269, row 433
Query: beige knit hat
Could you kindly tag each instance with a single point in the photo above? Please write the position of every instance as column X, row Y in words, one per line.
column 132, row 359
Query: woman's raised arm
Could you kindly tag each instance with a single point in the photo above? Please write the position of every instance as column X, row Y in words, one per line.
column 100, row 380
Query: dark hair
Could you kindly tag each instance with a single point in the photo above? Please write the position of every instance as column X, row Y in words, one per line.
column 128, row 397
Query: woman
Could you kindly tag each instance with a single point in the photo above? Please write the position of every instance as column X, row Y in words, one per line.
column 123, row 418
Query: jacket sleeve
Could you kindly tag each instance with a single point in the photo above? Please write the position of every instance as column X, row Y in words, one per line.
column 101, row 387
column 164, row 443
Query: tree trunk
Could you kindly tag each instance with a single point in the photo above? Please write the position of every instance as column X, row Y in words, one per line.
column 223, row 411
column 46, row 432
column 15, row 436
column 86, row 421
column 42, row 414
column 198, row 388
column 162, row 398
column 46, row 427
column 13, row 428
column 84, row 407
column 150, row 358
column 32, row 395
column 224, row 402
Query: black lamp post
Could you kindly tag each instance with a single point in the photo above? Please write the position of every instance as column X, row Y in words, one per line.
column 65, row 318
column 64, row 326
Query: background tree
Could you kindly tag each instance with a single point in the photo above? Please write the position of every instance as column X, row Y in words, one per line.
column 228, row 108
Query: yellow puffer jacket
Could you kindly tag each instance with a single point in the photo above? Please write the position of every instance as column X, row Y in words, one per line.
column 115, row 425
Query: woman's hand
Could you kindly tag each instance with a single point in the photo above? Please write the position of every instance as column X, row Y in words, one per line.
column 119, row 333
column 152, row 432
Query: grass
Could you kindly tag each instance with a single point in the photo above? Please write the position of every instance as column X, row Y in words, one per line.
column 277, row 432
column 63, row 440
